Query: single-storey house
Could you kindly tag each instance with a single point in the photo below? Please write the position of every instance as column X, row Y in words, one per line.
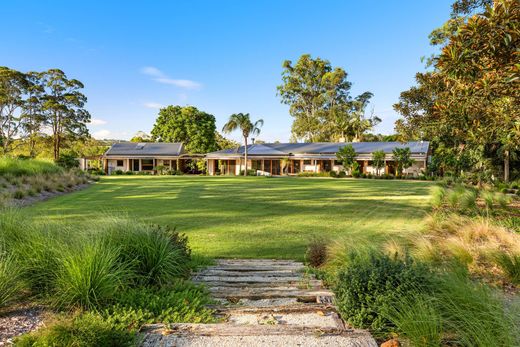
column 293, row 158
column 146, row 157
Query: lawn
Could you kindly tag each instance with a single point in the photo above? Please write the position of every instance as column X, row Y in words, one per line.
column 252, row 216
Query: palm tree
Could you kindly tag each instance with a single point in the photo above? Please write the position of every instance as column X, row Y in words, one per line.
column 243, row 122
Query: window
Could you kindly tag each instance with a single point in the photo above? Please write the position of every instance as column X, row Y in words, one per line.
column 147, row 165
column 120, row 163
column 167, row 163
column 337, row 162
column 307, row 162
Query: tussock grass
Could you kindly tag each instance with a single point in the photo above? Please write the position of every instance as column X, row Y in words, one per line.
column 474, row 242
column 27, row 167
column 11, row 283
column 73, row 267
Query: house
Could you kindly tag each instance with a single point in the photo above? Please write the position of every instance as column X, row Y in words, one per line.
column 293, row 158
column 147, row 156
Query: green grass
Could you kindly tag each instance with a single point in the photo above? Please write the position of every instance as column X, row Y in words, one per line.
column 253, row 216
column 27, row 167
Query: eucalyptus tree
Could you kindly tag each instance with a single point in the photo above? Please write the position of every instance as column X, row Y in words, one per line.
column 242, row 121
column 13, row 86
column 32, row 114
column 64, row 107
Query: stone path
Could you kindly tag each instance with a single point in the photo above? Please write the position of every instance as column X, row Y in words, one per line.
column 263, row 303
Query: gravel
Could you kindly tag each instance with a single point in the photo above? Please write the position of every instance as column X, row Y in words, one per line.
column 18, row 321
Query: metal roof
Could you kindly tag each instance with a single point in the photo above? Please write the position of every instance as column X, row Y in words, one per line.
column 286, row 149
column 145, row 148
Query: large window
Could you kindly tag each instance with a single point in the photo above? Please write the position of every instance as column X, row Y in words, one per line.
column 120, row 162
column 147, row 165
column 307, row 162
column 167, row 163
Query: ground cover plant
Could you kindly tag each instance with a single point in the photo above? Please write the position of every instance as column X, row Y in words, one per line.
column 251, row 217
column 115, row 275
column 454, row 283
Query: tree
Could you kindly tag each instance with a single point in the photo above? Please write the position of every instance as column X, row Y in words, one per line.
column 195, row 128
column 378, row 160
column 13, row 86
column 469, row 104
column 141, row 136
column 243, row 122
column 347, row 156
column 32, row 110
column 320, row 103
column 63, row 106
column 225, row 143
column 403, row 159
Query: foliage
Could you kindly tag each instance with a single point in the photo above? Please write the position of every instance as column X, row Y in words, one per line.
column 88, row 277
column 316, row 254
column 319, row 100
column 403, row 159
column 26, row 167
column 11, row 283
column 371, row 283
column 64, row 107
column 378, row 160
column 84, row 329
column 474, row 244
column 510, row 265
column 179, row 302
column 194, row 128
column 347, row 156
column 68, row 160
column 225, row 143
column 313, row 174
column 242, row 121
column 468, row 104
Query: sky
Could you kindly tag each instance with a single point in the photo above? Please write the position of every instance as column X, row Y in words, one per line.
column 222, row 57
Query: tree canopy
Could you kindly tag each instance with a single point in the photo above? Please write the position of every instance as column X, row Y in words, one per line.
column 195, row 128
column 469, row 104
column 319, row 100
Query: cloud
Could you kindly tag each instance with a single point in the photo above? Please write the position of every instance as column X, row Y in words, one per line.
column 159, row 76
column 101, row 134
column 97, row 121
column 154, row 105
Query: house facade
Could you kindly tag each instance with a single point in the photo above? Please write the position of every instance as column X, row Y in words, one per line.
column 294, row 158
column 146, row 157
column 264, row 159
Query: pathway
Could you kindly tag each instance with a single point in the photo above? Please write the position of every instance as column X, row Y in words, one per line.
column 263, row 303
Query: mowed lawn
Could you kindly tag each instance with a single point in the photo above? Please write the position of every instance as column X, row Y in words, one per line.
column 251, row 216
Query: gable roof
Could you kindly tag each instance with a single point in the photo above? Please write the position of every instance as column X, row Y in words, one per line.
column 145, row 148
column 286, row 149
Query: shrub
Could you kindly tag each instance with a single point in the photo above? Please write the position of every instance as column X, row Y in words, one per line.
column 10, row 279
column 333, row 174
column 68, row 161
column 468, row 200
column 316, row 254
column 489, row 199
column 118, row 172
column 249, row 172
column 342, row 174
column 85, row 330
column 130, row 173
column 372, row 283
column 88, row 277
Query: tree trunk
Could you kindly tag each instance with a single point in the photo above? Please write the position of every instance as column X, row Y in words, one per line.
column 506, row 166
column 245, row 155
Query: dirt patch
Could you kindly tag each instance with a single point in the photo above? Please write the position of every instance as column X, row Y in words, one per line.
column 17, row 321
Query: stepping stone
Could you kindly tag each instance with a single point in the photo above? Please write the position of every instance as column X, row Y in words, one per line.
column 262, row 302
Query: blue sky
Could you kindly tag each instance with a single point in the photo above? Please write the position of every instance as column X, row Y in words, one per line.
column 220, row 56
